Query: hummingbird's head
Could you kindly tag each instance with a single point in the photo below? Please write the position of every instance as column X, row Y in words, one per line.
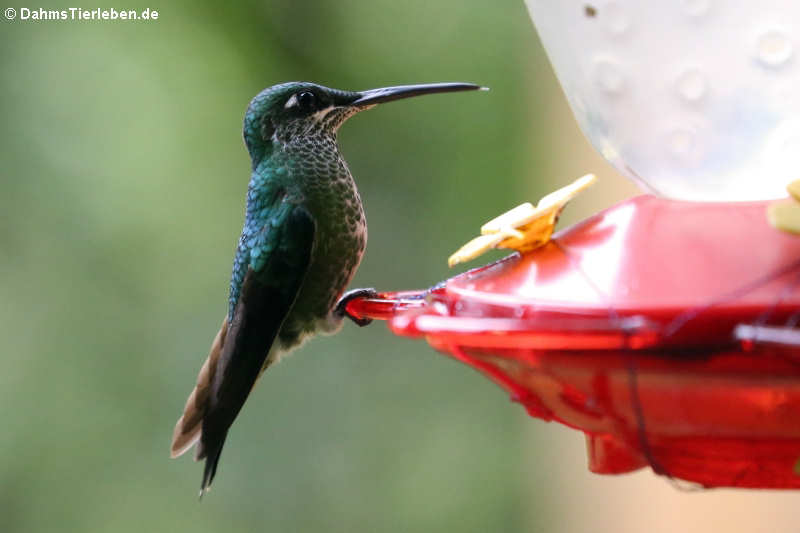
column 296, row 111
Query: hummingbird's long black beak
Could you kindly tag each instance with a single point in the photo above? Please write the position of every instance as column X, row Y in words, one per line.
column 387, row 94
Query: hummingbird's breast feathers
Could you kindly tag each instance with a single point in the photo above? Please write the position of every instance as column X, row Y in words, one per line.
column 306, row 170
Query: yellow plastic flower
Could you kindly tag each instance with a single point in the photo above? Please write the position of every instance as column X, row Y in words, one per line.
column 523, row 228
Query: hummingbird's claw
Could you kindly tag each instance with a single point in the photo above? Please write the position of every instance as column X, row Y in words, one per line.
column 341, row 305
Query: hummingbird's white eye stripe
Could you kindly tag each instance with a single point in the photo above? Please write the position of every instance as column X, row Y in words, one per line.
column 320, row 115
column 291, row 102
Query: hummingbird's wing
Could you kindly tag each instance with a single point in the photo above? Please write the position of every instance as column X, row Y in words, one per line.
column 271, row 284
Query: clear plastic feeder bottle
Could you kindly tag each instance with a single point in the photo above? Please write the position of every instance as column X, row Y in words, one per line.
column 693, row 99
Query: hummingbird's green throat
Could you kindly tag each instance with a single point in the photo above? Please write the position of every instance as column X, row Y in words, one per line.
column 303, row 237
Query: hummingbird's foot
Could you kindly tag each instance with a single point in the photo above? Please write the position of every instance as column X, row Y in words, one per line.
column 341, row 305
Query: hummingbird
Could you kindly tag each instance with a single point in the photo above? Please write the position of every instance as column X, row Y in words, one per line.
column 303, row 238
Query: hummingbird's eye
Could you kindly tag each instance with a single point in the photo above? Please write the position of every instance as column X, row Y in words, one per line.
column 306, row 100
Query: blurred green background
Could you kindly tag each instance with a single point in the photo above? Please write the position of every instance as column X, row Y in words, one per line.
column 121, row 200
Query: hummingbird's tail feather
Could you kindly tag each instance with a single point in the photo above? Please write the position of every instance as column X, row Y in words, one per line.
column 187, row 429
column 212, row 459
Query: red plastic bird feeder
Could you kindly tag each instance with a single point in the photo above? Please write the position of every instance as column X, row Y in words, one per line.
column 664, row 330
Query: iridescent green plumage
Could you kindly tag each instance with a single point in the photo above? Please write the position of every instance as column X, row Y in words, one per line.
column 302, row 166
column 302, row 240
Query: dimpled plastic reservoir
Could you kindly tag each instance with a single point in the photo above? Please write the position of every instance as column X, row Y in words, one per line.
column 693, row 99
